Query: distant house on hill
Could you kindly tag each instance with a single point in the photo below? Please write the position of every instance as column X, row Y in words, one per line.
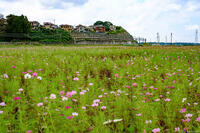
column 49, row 25
column 112, row 27
column 34, row 25
column 99, row 28
column 81, row 28
column 91, row 28
column 66, row 27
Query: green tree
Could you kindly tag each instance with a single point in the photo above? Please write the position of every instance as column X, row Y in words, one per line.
column 98, row 23
column 17, row 24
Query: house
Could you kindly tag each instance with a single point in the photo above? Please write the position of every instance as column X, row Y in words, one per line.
column 34, row 25
column 91, row 28
column 66, row 27
column 49, row 25
column 3, row 23
column 112, row 27
column 81, row 28
column 99, row 28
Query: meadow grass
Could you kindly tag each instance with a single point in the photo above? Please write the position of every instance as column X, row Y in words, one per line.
column 99, row 89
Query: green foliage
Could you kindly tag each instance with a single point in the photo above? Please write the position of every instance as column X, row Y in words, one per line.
column 17, row 24
column 50, row 35
column 106, row 24
column 2, row 25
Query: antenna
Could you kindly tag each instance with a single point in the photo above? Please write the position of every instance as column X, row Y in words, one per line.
column 158, row 38
column 196, row 36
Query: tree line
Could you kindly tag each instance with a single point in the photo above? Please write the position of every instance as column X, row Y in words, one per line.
column 18, row 28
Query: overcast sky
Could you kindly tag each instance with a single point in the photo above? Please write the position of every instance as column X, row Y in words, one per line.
column 142, row 18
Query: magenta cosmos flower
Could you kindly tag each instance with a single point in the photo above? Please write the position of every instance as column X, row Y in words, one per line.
column 16, row 98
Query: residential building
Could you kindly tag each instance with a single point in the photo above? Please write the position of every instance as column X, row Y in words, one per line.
column 49, row 25
column 34, row 25
column 100, row 29
column 81, row 28
column 91, row 28
column 112, row 28
column 66, row 27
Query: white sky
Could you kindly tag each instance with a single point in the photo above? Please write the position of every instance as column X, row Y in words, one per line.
column 142, row 18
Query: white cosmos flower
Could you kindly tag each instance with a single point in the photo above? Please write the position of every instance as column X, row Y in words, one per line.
column 110, row 121
column 75, row 114
column 27, row 76
column 39, row 78
column 64, row 98
column 52, row 96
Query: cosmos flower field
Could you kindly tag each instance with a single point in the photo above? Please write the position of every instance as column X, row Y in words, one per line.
column 99, row 89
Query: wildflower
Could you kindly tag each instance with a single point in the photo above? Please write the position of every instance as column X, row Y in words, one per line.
column 184, row 100
column 138, row 114
column 96, row 101
column 2, row 104
column 69, row 94
column 14, row 67
column 16, row 98
column 198, row 119
column 95, row 104
column 156, row 130
column 52, row 96
column 128, row 87
column 155, row 88
column 20, row 90
column 100, row 96
column 76, row 79
column 117, row 120
column 29, row 131
column 5, row 76
column 64, row 98
column 90, row 84
column 75, row 114
column 83, row 107
column 183, row 110
column 74, row 92
column 1, row 112
column 62, row 83
column 82, row 93
column 167, row 99
column 34, row 74
column 67, row 107
column 40, row 104
column 177, row 129
column 70, row 117
column 27, row 76
column 134, row 84
column 39, row 78
column 29, row 71
column 103, row 107
column 148, row 121
column 157, row 100
column 62, row 92
column 188, row 115
column 116, row 75
column 62, row 115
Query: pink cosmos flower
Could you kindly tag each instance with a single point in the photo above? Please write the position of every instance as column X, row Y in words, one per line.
column 14, row 67
column 82, row 93
column 183, row 110
column 16, row 98
column 90, row 84
column 84, row 108
column 116, row 75
column 62, row 83
column 127, row 86
column 67, row 107
column 62, row 115
column 157, row 100
column 74, row 92
column 167, row 99
column 29, row 71
column 29, row 131
column 138, row 114
column 188, row 115
column 155, row 88
column 52, row 96
column 134, row 84
column 96, row 101
column 156, row 130
column 1, row 112
column 76, row 79
column 103, row 107
column 198, row 119
column 70, row 117
column 95, row 104
column 69, row 94
column 62, row 92
column 2, row 104
column 5, row 76
column 177, row 129
column 34, row 74
column 20, row 90
column 40, row 104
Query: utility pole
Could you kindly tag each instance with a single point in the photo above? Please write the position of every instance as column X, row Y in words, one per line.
column 196, row 36
column 171, row 38
column 165, row 39
column 158, row 38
